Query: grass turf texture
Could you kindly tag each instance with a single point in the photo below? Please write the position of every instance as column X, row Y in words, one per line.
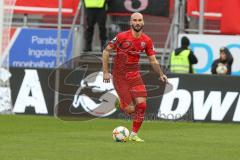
column 47, row 138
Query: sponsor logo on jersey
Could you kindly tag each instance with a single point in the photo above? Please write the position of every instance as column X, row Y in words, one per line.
column 143, row 45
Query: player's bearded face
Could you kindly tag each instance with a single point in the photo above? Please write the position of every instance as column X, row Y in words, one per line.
column 137, row 25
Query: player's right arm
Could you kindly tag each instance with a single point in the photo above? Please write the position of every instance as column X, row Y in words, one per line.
column 105, row 57
column 105, row 60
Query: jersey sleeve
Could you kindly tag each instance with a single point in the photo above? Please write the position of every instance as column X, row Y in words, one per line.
column 114, row 42
column 150, row 48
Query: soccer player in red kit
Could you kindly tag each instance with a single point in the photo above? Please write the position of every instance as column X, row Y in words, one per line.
column 127, row 80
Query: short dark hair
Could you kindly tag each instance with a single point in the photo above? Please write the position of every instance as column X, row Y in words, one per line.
column 185, row 41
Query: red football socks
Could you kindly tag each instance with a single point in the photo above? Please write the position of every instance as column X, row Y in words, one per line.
column 138, row 116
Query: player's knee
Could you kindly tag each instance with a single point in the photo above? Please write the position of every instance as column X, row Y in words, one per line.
column 140, row 100
column 142, row 106
column 129, row 109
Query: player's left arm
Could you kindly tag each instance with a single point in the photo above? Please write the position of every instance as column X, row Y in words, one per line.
column 156, row 67
column 153, row 60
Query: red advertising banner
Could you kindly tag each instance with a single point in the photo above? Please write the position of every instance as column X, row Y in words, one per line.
column 222, row 10
column 230, row 22
column 212, row 8
column 49, row 7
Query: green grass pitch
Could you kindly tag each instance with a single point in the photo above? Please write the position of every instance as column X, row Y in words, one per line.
column 48, row 138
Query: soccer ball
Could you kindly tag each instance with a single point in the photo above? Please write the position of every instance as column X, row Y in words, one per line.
column 120, row 134
column 221, row 69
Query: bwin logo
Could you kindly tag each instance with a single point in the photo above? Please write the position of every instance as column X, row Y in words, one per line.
column 214, row 102
column 96, row 97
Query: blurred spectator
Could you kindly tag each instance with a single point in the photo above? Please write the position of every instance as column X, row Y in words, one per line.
column 223, row 65
column 113, row 30
column 182, row 58
column 96, row 13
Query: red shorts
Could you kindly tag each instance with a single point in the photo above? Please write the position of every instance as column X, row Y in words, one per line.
column 129, row 87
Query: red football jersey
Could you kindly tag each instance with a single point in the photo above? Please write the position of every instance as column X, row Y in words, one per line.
column 128, row 50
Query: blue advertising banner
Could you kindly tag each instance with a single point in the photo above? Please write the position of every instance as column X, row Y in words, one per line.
column 37, row 48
